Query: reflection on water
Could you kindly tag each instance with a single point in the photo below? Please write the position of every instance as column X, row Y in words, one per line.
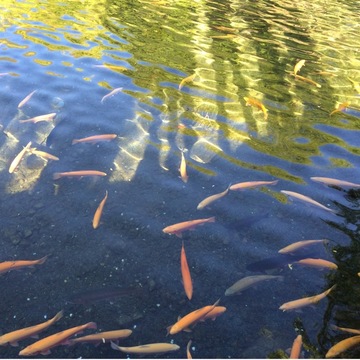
column 74, row 53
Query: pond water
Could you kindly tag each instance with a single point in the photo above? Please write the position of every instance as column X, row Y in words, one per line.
column 180, row 72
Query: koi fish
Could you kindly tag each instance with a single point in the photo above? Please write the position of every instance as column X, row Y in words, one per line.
column 14, row 337
column 188, row 353
column 298, row 66
column 191, row 319
column 44, row 345
column 340, row 108
column 318, row 263
column 342, row 346
column 182, row 169
column 185, row 273
column 19, row 264
column 186, row 80
column 43, row 154
column 311, row 300
column 307, row 80
column 111, row 93
column 98, row 212
column 102, row 337
column 296, row 348
column 95, row 138
column 249, row 281
column 307, row 199
column 335, row 182
column 254, row 102
column 26, row 99
column 251, row 184
column 81, row 173
column 177, row 229
column 18, row 158
column 46, row 117
column 207, row 201
column 300, row 244
column 147, row 349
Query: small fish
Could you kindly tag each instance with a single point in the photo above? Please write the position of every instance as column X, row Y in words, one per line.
column 224, row 37
column 43, row 154
column 156, row 348
column 95, row 138
column 44, row 345
column 112, row 67
column 342, row 346
column 178, row 228
column 254, row 102
column 26, row 99
column 296, row 348
column 300, row 244
column 19, row 264
column 102, row 337
column 317, row 263
column 111, row 93
column 191, row 319
column 335, row 182
column 185, row 273
column 183, row 174
column 207, row 201
column 18, row 158
column 311, row 300
column 340, row 108
column 98, row 212
column 224, row 28
column 186, row 80
column 307, row 199
column 249, row 281
column 252, row 184
column 307, row 80
column 298, row 66
column 14, row 337
column 188, row 353
column 81, row 173
column 349, row 330
column 46, row 117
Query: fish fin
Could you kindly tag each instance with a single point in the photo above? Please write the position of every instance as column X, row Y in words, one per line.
column 35, row 336
column 178, row 234
column 14, row 343
column 168, row 330
column 45, row 352
column 187, row 330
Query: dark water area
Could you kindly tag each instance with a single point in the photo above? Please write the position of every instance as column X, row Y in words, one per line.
column 126, row 273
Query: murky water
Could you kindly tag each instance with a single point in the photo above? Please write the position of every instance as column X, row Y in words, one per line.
column 126, row 273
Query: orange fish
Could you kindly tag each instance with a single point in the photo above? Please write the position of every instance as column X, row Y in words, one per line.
column 156, row 348
column 191, row 319
column 318, row 263
column 102, row 337
column 81, row 173
column 298, row 66
column 311, row 300
column 44, row 345
column 14, row 337
column 252, row 184
column 300, row 244
column 183, row 173
column 349, row 330
column 340, row 108
column 186, row 80
column 254, row 102
column 18, row 158
column 335, row 182
column 296, row 348
column 95, row 138
column 26, row 99
column 19, row 264
column 185, row 272
column 342, row 346
column 214, row 313
column 307, row 80
column 98, row 212
column 177, row 229
column 43, row 154
column 46, row 117
column 207, row 201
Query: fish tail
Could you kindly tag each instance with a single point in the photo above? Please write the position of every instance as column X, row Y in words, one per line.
column 91, row 325
column 56, row 176
column 59, row 315
column 42, row 260
column 75, row 141
column 212, row 219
